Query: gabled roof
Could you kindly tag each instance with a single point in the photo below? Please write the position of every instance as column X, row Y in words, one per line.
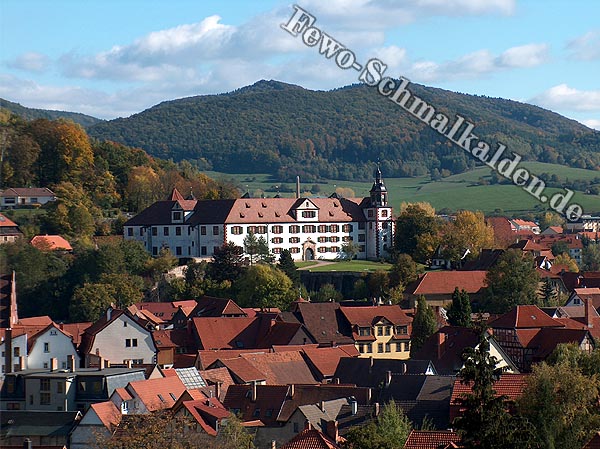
column 207, row 357
column 123, row 394
column 218, row 376
column 325, row 360
column 205, row 411
column 431, row 439
column 75, row 330
column 51, row 242
column 26, row 191
column 211, row 306
column 509, row 385
column 241, row 369
column 159, row 393
column 108, row 413
column 524, row 317
column 281, row 368
column 269, row 400
column 365, row 372
column 547, row 339
column 444, row 282
column 32, row 338
column 369, row 315
column 6, row 222
column 310, row 439
column 227, row 333
column 324, row 321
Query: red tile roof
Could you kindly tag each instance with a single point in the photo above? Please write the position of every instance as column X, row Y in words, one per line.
column 325, row 360
column 242, row 369
column 51, row 242
column 203, row 410
column 207, row 357
column 210, row 306
column 431, row 439
column 123, row 394
column 444, row 282
column 6, row 222
column 108, row 413
column 75, row 330
column 27, row 191
column 594, row 443
column 269, row 399
column 281, row 368
column 218, row 376
column 155, row 394
column 510, row 385
column 226, row 333
column 524, row 317
column 310, row 439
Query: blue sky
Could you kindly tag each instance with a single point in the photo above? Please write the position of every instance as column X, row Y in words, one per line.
column 113, row 58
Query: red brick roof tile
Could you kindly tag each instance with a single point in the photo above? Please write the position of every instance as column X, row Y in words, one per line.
column 310, row 439
column 430, row 439
column 444, row 282
column 108, row 413
column 325, row 360
column 524, row 317
column 366, row 316
column 510, row 385
column 51, row 242
column 156, row 393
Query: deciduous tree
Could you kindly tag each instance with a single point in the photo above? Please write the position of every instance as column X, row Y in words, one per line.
column 467, row 235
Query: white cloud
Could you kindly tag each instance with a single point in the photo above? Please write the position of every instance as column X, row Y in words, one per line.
column 585, row 47
column 592, row 123
column 563, row 97
column 479, row 63
column 529, row 55
column 31, row 62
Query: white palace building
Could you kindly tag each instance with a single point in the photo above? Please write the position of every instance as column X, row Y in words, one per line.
column 310, row 228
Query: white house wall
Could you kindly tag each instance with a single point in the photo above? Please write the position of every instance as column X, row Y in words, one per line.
column 60, row 347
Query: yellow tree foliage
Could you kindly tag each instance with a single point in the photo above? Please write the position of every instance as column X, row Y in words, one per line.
column 468, row 233
column 427, row 208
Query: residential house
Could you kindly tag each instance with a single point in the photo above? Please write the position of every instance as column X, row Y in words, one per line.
column 525, row 225
column 9, row 230
column 445, row 349
column 206, row 413
column 324, row 321
column 154, row 394
column 44, row 429
column 309, row 228
column 63, row 389
column 100, row 420
column 119, row 339
column 380, row 331
column 163, row 313
column 585, row 223
column 529, row 335
column 324, row 362
column 311, row 438
column 51, row 345
column 438, row 286
column 16, row 197
column 372, row 372
column 553, row 230
column 509, row 385
column 421, row 397
column 50, row 243
column 432, row 439
column 220, row 378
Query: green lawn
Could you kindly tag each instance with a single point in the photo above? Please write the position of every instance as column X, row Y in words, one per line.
column 305, row 264
column 353, row 265
column 455, row 192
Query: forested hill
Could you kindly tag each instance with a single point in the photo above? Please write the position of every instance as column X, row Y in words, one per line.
column 288, row 130
column 32, row 114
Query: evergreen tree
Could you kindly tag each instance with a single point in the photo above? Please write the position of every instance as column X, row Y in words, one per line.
column 485, row 422
column 423, row 326
column 287, row 265
column 251, row 247
column 459, row 313
column 227, row 263
column 548, row 293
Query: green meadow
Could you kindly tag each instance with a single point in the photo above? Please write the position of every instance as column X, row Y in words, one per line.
column 453, row 193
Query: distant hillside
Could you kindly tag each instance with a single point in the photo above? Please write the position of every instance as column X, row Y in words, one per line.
column 287, row 130
column 32, row 114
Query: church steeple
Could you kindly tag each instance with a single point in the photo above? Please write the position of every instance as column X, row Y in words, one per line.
column 378, row 191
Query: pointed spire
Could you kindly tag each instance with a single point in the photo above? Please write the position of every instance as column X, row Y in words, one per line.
column 175, row 195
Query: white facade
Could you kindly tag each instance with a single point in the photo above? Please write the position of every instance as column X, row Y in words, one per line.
column 123, row 340
column 13, row 198
column 50, row 344
column 311, row 228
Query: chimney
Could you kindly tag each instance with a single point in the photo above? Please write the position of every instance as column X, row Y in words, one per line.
column 291, row 390
column 108, row 313
column 403, row 367
column 589, row 312
column 129, row 363
column 353, row 406
column 369, row 394
column 297, row 186
column 8, row 349
column 27, row 443
column 218, row 390
column 253, row 383
column 273, row 444
column 376, row 409
column 370, row 364
column 53, row 364
column 100, row 363
column 21, row 363
column 13, row 312
column 71, row 362
column 441, row 340
column 388, row 378
column 331, row 429
column 322, row 406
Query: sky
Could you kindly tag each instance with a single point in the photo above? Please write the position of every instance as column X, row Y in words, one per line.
column 115, row 58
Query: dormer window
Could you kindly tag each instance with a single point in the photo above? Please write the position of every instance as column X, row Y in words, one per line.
column 177, row 215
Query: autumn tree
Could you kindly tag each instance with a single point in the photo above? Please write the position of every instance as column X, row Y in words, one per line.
column 459, row 313
column 414, row 222
column 327, row 293
column 512, row 281
column 233, row 435
column 466, row 236
column 590, row 257
column 389, row 430
column 551, row 219
column 423, row 326
column 264, row 286
column 350, row 250
column 404, row 271
column 568, row 261
column 562, row 404
column 143, row 188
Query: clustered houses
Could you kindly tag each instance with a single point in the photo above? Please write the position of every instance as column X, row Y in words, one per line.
column 309, row 228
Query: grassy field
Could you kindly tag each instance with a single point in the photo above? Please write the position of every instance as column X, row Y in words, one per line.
column 352, row 265
column 454, row 193
column 308, row 263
